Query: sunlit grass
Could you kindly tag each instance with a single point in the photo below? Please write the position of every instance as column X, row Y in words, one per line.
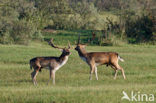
column 72, row 80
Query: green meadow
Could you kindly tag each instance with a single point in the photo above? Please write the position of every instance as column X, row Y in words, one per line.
column 127, row 27
column 72, row 80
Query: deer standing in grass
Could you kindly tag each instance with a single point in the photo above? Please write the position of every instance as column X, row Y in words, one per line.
column 93, row 59
column 51, row 63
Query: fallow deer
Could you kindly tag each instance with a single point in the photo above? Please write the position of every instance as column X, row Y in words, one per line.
column 93, row 59
column 51, row 63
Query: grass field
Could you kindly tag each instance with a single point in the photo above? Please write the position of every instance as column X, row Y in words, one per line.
column 72, row 80
column 61, row 37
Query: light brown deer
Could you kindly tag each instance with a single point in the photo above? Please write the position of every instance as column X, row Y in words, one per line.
column 94, row 59
column 51, row 63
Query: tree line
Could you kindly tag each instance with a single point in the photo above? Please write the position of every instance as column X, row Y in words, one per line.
column 23, row 20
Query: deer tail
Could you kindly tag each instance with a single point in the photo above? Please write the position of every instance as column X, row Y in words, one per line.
column 121, row 59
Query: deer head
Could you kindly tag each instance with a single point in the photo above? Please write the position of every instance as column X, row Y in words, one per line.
column 79, row 46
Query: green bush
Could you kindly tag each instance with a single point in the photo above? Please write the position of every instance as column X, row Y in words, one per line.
column 139, row 30
column 8, row 17
column 38, row 35
column 22, row 32
column 19, row 22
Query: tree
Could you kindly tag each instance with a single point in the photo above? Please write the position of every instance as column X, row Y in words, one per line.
column 15, row 21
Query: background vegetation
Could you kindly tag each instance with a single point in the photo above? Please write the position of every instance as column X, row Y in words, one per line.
column 124, row 20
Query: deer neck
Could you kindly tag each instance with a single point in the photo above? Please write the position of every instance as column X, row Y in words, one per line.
column 82, row 53
column 63, row 58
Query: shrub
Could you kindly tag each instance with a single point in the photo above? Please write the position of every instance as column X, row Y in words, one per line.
column 139, row 30
column 38, row 35
column 22, row 32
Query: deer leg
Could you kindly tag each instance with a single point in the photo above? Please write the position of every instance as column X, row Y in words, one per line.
column 92, row 68
column 33, row 75
column 91, row 72
column 53, row 76
column 50, row 73
column 37, row 67
column 116, row 71
column 96, row 73
column 123, row 73
column 120, row 68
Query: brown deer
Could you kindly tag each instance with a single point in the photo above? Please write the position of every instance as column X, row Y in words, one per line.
column 51, row 63
column 93, row 59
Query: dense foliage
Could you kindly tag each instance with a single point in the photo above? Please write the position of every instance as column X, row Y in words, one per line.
column 24, row 20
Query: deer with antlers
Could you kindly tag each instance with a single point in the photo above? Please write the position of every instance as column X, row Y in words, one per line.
column 51, row 63
column 94, row 59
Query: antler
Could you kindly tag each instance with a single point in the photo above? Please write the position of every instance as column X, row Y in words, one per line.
column 51, row 44
column 69, row 45
column 78, row 42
